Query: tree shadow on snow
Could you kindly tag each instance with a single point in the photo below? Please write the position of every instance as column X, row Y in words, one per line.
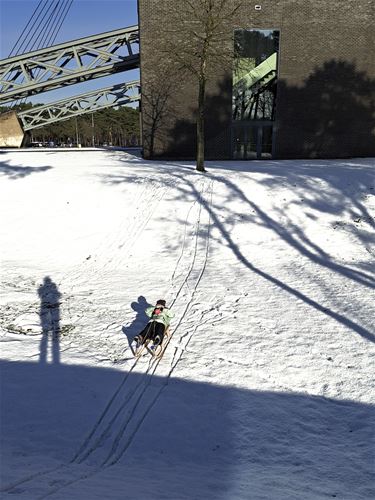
column 19, row 171
column 338, row 190
column 297, row 239
column 88, row 432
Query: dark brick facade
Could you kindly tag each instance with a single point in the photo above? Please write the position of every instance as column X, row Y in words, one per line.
column 326, row 81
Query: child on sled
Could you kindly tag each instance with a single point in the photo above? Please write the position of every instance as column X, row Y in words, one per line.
column 155, row 329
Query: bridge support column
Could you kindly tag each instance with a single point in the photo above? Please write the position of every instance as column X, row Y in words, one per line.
column 11, row 132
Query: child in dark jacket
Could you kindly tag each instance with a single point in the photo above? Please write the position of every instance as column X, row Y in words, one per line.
column 155, row 329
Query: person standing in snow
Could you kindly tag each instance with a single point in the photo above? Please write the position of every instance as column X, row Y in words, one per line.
column 155, row 329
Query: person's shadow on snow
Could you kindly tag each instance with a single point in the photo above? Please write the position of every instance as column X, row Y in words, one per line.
column 140, row 319
column 50, row 320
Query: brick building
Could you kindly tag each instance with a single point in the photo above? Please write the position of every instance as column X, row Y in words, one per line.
column 300, row 82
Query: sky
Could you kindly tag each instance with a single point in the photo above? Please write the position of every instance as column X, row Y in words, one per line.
column 86, row 17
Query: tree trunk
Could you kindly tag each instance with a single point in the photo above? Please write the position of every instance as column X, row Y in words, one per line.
column 200, row 125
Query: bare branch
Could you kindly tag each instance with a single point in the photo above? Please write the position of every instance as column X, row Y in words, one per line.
column 195, row 44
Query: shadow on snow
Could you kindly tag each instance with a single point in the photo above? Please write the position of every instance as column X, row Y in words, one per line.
column 336, row 189
column 140, row 319
column 170, row 438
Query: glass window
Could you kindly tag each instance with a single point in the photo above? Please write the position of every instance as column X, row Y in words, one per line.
column 266, row 150
column 245, row 140
column 255, row 74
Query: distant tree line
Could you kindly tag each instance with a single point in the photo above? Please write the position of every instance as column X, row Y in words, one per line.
column 110, row 126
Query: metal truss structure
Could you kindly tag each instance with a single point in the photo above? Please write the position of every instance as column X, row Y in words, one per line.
column 116, row 95
column 69, row 63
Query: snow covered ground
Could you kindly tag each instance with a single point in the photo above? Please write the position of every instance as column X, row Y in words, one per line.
column 266, row 388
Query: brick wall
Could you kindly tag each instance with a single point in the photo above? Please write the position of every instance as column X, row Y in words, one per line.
column 326, row 86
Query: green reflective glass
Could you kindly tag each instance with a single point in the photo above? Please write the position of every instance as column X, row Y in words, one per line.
column 255, row 74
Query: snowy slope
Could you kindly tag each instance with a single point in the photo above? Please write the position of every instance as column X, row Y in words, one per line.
column 266, row 389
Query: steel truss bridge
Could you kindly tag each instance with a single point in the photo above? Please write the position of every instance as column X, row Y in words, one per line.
column 70, row 63
column 117, row 95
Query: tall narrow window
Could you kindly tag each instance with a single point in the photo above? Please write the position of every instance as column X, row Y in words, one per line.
column 255, row 74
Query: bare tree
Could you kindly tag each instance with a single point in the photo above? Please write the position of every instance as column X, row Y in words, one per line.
column 201, row 30
column 156, row 110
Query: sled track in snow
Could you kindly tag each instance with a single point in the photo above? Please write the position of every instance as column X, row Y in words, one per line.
column 131, row 402
column 135, row 395
column 178, row 351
